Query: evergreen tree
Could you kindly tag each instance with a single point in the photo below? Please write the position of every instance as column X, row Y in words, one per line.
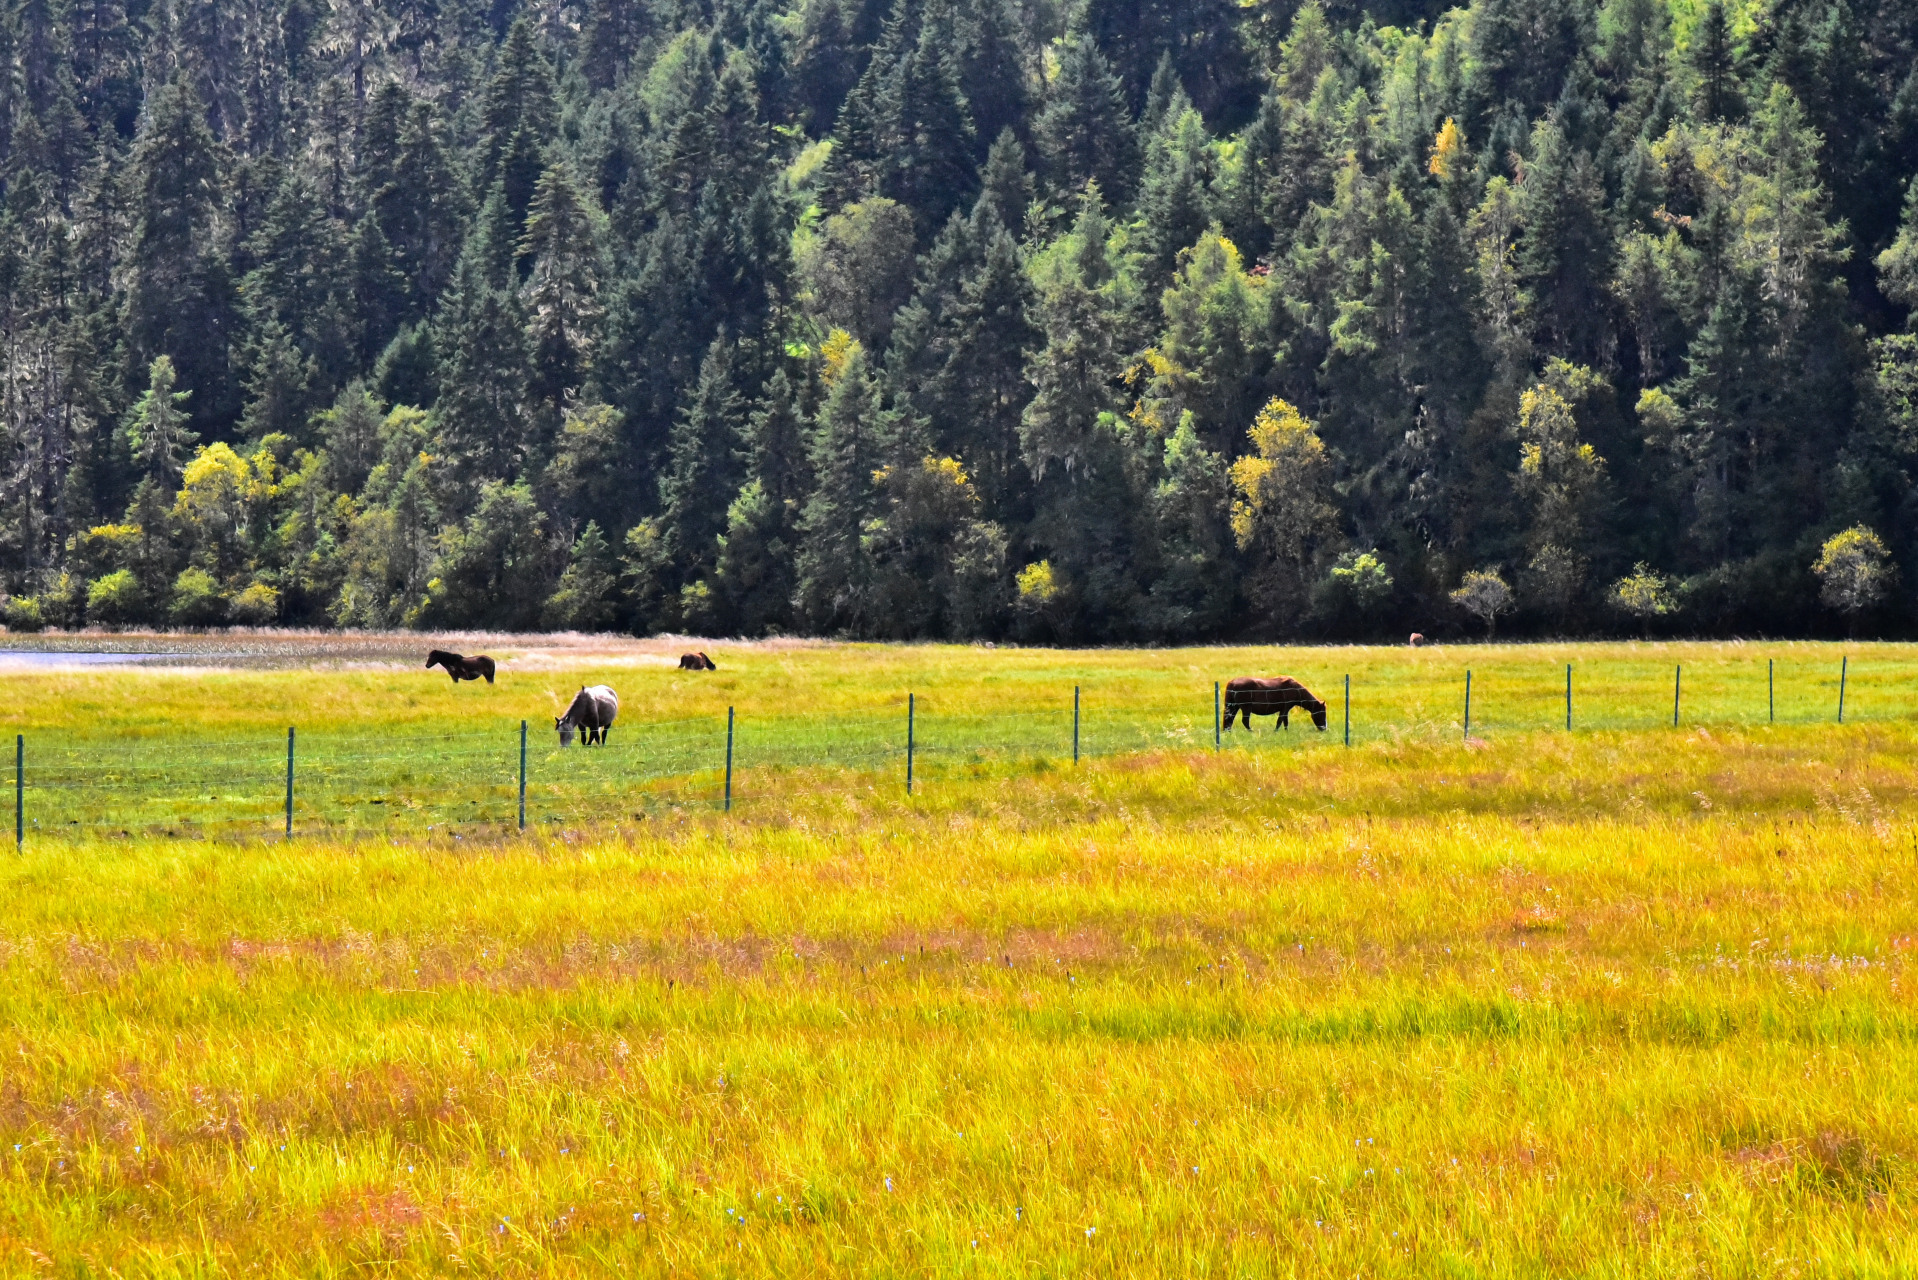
column 1202, row 39
column 1083, row 129
column 755, row 573
column 561, row 289
column 480, row 415
column 850, row 439
column 1713, row 62
column 518, row 115
column 1173, row 203
column 180, row 300
column 1564, row 255
column 702, row 469
column 586, row 598
column 156, row 426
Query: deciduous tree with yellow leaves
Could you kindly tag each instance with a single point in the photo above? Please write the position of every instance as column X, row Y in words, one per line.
column 1282, row 515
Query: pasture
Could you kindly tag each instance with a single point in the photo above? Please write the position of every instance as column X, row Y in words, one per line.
column 1632, row 1000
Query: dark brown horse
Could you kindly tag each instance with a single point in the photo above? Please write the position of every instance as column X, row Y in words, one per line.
column 460, row 667
column 1248, row 696
column 696, row 662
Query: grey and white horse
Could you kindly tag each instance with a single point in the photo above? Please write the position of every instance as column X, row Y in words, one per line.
column 593, row 711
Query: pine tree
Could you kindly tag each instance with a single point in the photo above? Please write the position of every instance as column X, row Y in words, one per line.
column 421, row 209
column 609, row 38
column 586, row 598
column 1083, row 130
column 992, row 77
column 1075, row 374
column 850, row 440
column 483, row 370
column 1201, row 37
column 702, row 470
column 1565, row 250
column 979, row 396
column 519, row 112
column 1006, row 189
column 755, row 572
column 1173, row 201
column 156, row 426
column 1713, row 61
column 928, row 129
column 179, row 293
column 561, row 289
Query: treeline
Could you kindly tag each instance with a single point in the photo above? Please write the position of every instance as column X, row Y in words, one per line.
column 1064, row 320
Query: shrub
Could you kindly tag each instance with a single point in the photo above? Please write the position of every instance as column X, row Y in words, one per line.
column 256, row 606
column 22, row 613
column 197, row 601
column 115, row 599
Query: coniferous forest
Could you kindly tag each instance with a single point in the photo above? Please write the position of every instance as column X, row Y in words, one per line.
column 1050, row 320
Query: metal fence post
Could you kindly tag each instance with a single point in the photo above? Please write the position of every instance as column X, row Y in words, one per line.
column 289, row 780
column 1468, row 704
column 19, row 791
column 1215, row 715
column 909, row 717
column 1844, row 666
column 522, row 775
column 1568, row 697
column 1348, row 710
column 729, row 759
column 1075, row 724
column 1771, row 690
column 1678, row 672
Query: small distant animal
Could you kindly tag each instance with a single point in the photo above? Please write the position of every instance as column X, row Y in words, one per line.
column 592, row 712
column 1250, row 696
column 460, row 667
column 696, row 662
column 1418, row 638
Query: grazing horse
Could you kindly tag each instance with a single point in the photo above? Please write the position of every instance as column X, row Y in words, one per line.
column 593, row 711
column 696, row 662
column 462, row 668
column 1418, row 638
column 1249, row 696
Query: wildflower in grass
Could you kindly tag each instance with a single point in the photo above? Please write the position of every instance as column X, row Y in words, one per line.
column 889, row 1182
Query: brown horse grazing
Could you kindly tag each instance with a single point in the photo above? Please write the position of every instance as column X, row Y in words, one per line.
column 462, row 668
column 696, row 662
column 1249, row 696
column 1418, row 638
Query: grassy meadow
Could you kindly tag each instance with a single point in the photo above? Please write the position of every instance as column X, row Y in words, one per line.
column 1629, row 1001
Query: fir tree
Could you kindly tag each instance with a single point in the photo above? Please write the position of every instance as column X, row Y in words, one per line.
column 849, row 441
column 156, row 426
column 179, row 295
column 1083, row 130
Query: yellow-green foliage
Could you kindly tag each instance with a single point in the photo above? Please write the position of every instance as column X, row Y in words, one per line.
column 1627, row 1002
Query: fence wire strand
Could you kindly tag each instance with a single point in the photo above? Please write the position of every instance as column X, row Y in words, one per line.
column 153, row 782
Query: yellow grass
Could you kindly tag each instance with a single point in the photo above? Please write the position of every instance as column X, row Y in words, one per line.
column 1632, row 1001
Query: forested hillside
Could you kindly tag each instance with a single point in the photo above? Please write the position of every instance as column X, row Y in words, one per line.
column 1056, row 320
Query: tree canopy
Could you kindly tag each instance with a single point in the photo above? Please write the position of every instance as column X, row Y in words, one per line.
column 1125, row 320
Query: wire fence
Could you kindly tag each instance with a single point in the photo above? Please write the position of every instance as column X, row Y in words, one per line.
column 510, row 776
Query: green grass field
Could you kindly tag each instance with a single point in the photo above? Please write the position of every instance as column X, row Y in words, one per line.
column 391, row 748
column 1630, row 1001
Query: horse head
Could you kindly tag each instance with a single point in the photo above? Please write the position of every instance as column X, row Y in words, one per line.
column 565, row 727
column 1317, row 708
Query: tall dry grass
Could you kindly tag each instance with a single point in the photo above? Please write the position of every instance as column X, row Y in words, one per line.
column 1627, row 1002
